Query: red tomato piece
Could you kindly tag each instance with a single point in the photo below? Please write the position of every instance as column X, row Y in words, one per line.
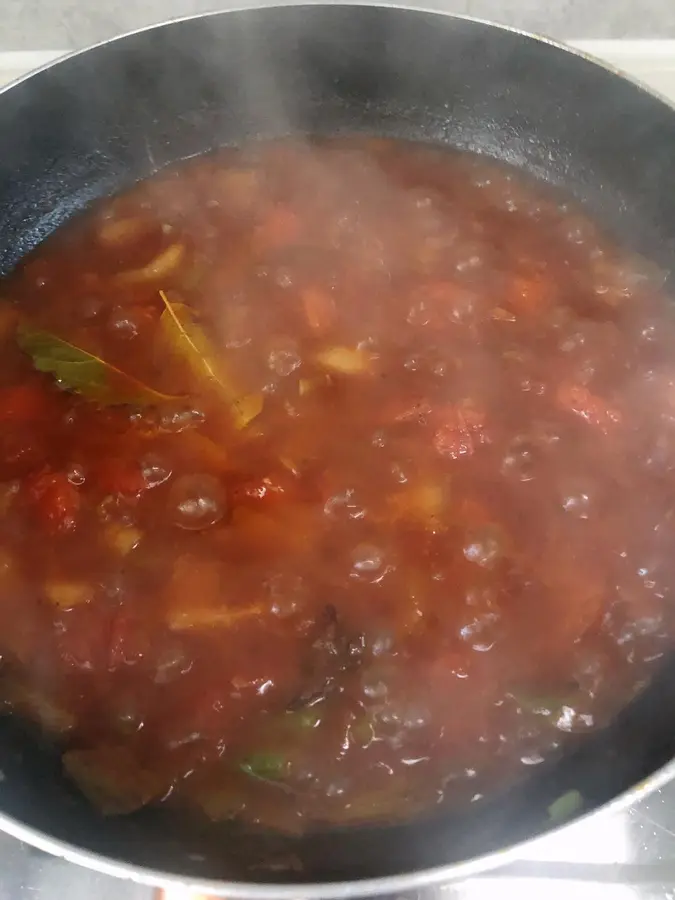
column 596, row 410
column 57, row 502
column 408, row 410
column 260, row 491
column 460, row 430
column 22, row 451
column 575, row 601
column 25, row 402
column 280, row 228
column 455, row 682
column 120, row 476
column 438, row 303
column 529, row 296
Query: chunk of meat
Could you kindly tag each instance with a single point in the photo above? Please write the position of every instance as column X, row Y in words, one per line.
column 50, row 713
column 379, row 803
column 221, row 799
column 112, row 779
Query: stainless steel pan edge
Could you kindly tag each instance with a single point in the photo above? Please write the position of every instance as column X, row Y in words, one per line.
column 398, row 884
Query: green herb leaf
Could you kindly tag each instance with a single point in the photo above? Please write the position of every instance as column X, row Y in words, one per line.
column 287, row 732
column 361, row 730
column 83, row 372
column 303, row 719
column 188, row 341
column 565, row 806
column 268, row 766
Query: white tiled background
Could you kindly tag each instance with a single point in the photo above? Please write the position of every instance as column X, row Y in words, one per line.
column 39, row 24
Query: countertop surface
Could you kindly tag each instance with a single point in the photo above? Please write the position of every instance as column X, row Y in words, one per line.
column 44, row 24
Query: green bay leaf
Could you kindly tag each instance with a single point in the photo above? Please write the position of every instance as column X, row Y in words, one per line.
column 84, row 373
column 566, row 806
column 268, row 766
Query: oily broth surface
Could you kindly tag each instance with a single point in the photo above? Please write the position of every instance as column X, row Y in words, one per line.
column 363, row 500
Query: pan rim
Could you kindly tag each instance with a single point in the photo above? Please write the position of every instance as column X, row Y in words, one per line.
column 417, row 879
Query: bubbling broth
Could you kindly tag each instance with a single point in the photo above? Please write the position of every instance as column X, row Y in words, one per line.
column 336, row 483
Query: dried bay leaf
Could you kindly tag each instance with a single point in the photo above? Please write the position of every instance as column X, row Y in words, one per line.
column 187, row 339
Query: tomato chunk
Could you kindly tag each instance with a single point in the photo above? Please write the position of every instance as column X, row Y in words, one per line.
column 57, row 502
column 595, row 410
column 281, row 227
column 260, row 491
column 460, row 430
column 24, row 403
column 529, row 296
column 120, row 476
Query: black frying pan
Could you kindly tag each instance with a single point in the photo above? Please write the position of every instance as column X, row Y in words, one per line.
column 111, row 115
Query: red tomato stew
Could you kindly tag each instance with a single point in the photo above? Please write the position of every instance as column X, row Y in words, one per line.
column 335, row 483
